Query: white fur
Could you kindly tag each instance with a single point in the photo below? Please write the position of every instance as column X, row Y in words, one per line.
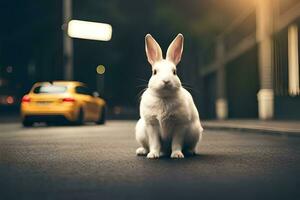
column 169, row 121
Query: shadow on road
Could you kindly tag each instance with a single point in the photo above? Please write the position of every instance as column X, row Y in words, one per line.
column 190, row 158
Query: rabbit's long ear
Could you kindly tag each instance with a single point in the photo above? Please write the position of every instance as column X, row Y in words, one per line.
column 153, row 49
column 175, row 49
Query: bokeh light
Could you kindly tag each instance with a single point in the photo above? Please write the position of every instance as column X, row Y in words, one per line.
column 10, row 100
column 100, row 69
column 9, row 69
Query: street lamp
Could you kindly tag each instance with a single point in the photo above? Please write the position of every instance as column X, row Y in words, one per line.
column 89, row 30
column 79, row 29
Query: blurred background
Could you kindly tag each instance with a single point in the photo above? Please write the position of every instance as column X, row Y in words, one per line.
column 240, row 60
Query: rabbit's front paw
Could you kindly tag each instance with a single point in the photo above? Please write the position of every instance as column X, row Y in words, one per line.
column 153, row 155
column 177, row 154
column 141, row 151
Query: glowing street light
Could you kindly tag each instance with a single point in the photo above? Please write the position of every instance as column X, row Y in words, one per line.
column 89, row 30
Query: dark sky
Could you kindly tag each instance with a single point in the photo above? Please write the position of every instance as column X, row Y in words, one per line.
column 31, row 40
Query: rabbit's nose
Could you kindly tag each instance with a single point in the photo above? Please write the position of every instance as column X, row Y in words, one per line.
column 166, row 82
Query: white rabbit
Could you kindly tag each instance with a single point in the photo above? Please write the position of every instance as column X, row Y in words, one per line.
column 169, row 121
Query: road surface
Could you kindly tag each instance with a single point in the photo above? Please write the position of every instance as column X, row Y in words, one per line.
column 99, row 162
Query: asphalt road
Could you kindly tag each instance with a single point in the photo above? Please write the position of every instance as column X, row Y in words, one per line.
column 99, row 162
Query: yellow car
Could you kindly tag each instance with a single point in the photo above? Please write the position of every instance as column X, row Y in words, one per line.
column 62, row 101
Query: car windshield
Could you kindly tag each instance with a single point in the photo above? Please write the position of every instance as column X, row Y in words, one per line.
column 50, row 89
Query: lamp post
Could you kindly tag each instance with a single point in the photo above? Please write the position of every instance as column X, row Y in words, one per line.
column 79, row 29
column 67, row 42
column 91, row 31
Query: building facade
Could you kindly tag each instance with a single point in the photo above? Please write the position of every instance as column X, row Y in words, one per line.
column 254, row 72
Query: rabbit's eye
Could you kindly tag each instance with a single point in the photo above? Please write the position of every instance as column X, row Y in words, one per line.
column 174, row 71
column 154, row 71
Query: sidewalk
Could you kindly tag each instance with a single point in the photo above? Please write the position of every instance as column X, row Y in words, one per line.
column 291, row 128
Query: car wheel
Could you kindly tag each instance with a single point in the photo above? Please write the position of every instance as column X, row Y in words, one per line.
column 101, row 120
column 80, row 118
column 27, row 123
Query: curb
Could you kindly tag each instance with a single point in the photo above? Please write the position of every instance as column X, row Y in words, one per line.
column 271, row 131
